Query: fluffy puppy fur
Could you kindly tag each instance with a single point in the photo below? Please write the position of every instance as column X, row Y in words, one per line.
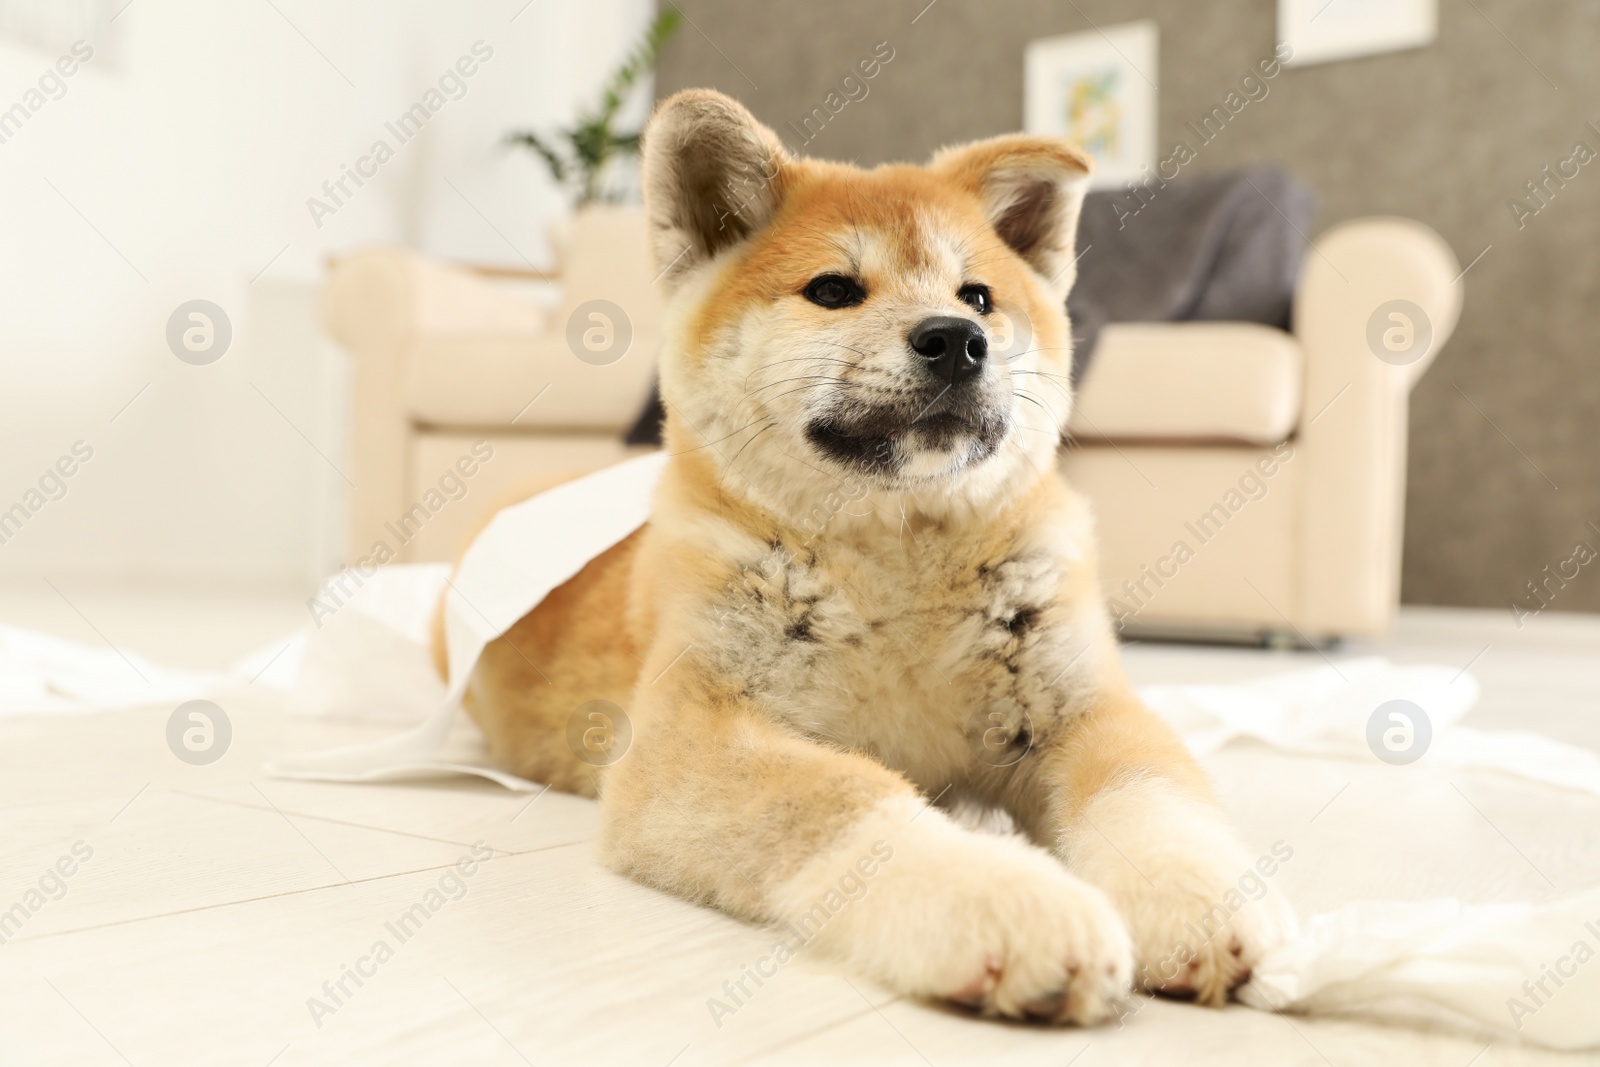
column 864, row 586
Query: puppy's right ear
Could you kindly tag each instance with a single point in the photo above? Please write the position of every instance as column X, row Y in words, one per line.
column 713, row 176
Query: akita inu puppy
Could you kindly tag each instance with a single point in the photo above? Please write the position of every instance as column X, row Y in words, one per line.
column 865, row 587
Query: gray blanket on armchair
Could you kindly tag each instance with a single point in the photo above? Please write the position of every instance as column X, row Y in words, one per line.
column 1214, row 246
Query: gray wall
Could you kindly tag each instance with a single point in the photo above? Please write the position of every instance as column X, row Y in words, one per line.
column 1445, row 134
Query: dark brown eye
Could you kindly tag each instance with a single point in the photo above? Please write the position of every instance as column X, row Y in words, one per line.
column 835, row 291
column 976, row 297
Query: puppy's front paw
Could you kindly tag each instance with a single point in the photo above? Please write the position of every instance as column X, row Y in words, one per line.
column 1027, row 940
column 1200, row 908
column 991, row 923
column 1199, row 935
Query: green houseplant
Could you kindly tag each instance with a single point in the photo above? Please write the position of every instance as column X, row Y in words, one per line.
column 579, row 155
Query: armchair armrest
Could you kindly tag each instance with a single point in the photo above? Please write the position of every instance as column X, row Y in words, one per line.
column 1360, row 364
column 1359, row 266
column 381, row 304
column 527, row 274
column 385, row 292
column 437, row 345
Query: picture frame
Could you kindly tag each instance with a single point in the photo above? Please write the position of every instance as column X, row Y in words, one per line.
column 1099, row 89
column 1321, row 31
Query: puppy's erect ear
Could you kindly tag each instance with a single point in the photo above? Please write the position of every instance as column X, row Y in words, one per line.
column 1032, row 188
column 713, row 176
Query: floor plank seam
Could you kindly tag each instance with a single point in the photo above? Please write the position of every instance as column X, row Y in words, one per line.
column 816, row 1032
column 277, row 896
column 327, row 819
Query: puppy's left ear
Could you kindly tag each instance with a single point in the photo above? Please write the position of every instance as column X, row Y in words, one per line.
column 1032, row 189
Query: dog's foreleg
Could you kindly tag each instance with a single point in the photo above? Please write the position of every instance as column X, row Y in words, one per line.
column 1129, row 810
column 717, row 803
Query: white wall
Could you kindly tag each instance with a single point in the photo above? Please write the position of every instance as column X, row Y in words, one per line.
column 177, row 166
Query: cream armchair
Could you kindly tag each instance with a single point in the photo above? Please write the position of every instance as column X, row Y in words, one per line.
column 446, row 356
column 1248, row 483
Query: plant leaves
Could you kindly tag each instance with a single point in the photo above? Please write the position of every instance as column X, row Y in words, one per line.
column 529, row 139
column 592, row 141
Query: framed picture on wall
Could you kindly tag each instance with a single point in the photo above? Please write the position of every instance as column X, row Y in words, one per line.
column 1098, row 89
column 1324, row 30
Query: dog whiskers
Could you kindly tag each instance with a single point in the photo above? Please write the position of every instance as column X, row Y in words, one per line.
column 857, row 351
column 709, row 444
column 797, row 378
column 814, row 385
column 734, row 461
column 1050, row 379
column 1030, row 398
column 801, row 359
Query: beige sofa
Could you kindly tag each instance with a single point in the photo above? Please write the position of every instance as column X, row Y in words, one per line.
column 1248, row 483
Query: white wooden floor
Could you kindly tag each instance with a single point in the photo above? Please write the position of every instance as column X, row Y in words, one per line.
column 217, row 902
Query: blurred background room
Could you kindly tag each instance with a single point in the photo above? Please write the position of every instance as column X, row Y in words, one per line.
column 186, row 159
column 296, row 293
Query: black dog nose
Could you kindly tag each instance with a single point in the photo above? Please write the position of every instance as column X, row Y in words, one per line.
column 955, row 348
